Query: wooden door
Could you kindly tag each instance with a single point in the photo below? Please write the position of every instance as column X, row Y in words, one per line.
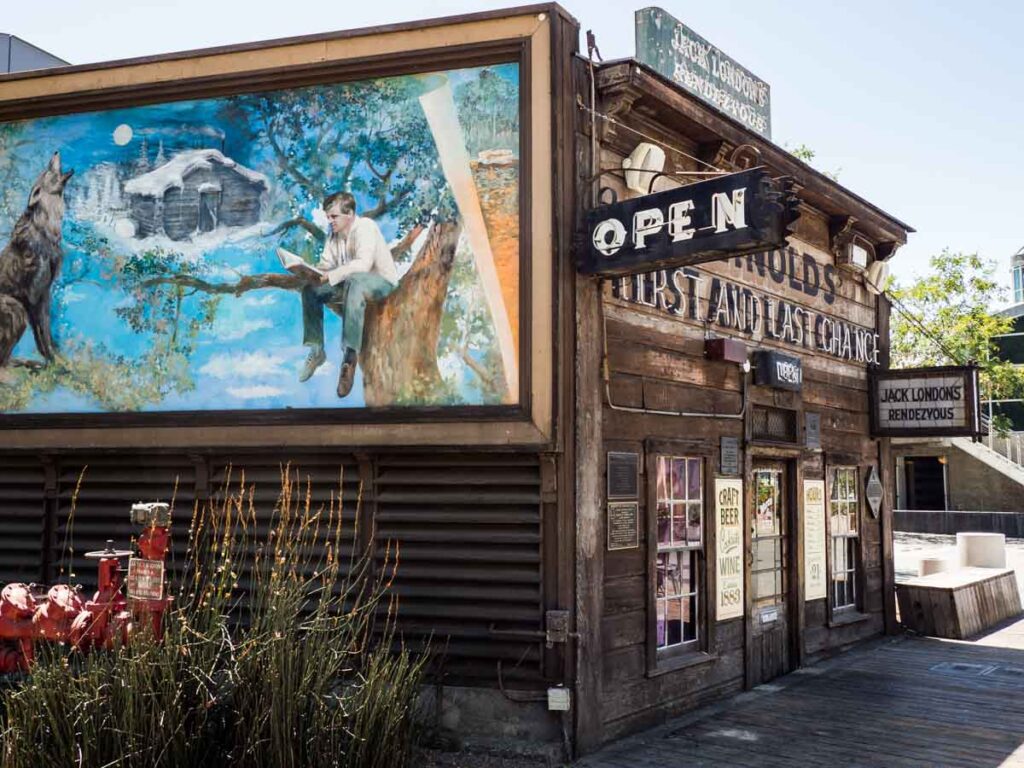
column 771, row 550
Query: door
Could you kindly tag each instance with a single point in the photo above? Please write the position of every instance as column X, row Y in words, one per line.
column 209, row 210
column 770, row 649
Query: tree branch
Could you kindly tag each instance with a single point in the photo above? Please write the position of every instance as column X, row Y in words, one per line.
column 284, row 281
column 386, row 205
column 282, row 160
column 298, row 221
column 403, row 245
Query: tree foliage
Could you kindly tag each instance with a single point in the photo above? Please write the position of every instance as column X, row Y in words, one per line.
column 953, row 322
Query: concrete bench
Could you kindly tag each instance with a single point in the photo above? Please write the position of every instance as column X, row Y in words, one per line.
column 958, row 604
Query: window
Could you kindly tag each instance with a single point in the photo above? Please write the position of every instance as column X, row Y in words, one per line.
column 680, row 537
column 844, row 531
column 1018, row 285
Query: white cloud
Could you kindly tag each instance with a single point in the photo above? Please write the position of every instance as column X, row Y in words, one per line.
column 228, row 330
column 243, row 365
column 265, row 300
column 254, row 392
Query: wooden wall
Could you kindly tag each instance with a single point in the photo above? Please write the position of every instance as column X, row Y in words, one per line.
column 656, row 361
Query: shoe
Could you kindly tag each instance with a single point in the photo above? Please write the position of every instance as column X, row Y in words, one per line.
column 347, row 375
column 314, row 360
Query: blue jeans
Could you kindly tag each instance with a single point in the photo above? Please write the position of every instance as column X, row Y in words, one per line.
column 348, row 301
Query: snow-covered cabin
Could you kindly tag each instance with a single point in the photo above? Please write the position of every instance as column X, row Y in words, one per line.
column 195, row 191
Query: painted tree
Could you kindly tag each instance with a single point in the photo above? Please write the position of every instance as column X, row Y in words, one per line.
column 951, row 322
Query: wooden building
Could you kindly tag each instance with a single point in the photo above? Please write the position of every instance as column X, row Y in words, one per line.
column 195, row 191
column 644, row 525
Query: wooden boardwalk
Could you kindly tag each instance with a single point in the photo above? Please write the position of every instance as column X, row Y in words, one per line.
column 897, row 703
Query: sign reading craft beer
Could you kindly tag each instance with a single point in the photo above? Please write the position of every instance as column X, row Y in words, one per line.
column 721, row 217
column 926, row 402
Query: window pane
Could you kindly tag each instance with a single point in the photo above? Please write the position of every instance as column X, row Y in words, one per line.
column 694, row 477
column 689, row 618
column 661, row 623
column 679, row 524
column 674, row 621
column 678, row 479
column 661, row 574
column 664, row 523
column 662, row 475
column 693, row 532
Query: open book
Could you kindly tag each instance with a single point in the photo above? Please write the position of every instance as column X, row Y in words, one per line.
column 297, row 266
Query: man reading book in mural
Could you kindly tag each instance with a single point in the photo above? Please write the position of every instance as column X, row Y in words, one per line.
column 356, row 266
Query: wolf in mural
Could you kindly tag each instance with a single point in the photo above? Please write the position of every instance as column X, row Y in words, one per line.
column 30, row 263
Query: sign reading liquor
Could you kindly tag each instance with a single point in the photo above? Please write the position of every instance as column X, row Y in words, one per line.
column 926, row 402
column 675, row 51
column 718, row 218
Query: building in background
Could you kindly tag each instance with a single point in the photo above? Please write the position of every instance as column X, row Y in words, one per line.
column 17, row 55
column 1011, row 344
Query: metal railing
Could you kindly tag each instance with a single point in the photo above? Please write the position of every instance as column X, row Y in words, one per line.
column 1010, row 447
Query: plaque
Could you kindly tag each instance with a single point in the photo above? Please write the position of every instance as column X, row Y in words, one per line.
column 623, row 531
column 145, row 579
column 812, row 430
column 623, row 475
column 729, row 461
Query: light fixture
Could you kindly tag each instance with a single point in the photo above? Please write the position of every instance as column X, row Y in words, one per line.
column 876, row 276
column 642, row 167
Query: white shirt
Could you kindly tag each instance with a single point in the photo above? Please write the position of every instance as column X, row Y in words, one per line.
column 364, row 250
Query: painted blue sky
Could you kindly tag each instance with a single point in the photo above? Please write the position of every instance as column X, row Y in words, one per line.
column 251, row 355
column 917, row 103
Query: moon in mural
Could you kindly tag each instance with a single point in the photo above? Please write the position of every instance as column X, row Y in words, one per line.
column 123, row 134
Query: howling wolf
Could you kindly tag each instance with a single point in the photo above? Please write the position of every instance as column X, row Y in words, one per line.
column 31, row 262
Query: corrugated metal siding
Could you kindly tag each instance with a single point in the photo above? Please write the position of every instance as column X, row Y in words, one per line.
column 468, row 536
column 22, row 519
column 467, row 530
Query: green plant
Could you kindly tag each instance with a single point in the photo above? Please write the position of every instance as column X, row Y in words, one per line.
column 279, row 652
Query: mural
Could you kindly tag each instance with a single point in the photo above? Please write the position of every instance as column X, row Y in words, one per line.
column 332, row 246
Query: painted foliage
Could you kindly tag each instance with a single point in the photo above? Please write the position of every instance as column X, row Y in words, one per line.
column 166, row 279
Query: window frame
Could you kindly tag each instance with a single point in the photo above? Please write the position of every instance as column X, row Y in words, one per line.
column 660, row 660
column 852, row 540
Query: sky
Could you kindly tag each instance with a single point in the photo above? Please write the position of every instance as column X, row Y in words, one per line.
column 919, row 106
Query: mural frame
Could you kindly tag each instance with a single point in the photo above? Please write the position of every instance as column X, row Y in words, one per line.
column 139, row 82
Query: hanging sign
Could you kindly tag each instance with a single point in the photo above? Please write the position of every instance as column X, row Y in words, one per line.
column 676, row 52
column 729, row 546
column 926, row 402
column 779, row 370
column 815, row 587
column 721, row 217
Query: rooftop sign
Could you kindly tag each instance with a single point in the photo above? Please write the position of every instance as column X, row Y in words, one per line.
column 675, row 51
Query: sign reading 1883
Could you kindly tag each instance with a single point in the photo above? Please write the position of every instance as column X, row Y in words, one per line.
column 677, row 52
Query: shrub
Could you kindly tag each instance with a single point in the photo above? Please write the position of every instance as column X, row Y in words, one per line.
column 279, row 651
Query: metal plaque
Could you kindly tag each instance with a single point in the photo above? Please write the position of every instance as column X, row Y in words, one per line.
column 874, row 492
column 719, row 218
column 145, row 579
column 623, row 525
column 675, row 51
column 729, row 460
column 812, row 430
column 623, row 475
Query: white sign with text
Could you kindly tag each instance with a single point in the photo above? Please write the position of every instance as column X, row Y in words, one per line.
column 815, row 582
column 729, row 545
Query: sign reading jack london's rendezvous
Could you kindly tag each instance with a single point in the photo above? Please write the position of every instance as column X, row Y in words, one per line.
column 721, row 217
column 926, row 402
column 675, row 51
